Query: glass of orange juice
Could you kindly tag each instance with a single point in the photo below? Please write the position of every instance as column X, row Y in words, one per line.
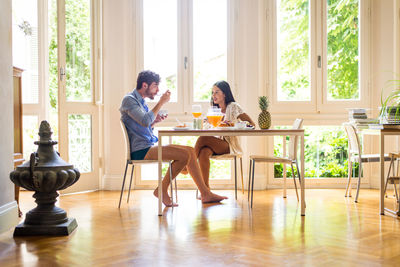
column 214, row 116
column 196, row 111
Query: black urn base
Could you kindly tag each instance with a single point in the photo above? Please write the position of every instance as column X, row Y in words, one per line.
column 61, row 229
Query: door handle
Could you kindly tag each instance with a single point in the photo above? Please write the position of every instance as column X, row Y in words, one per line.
column 185, row 61
column 62, row 73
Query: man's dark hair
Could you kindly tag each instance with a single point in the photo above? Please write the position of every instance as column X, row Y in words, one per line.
column 147, row 76
column 226, row 89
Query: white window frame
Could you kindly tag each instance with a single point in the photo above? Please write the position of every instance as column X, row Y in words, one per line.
column 319, row 103
column 317, row 111
column 182, row 109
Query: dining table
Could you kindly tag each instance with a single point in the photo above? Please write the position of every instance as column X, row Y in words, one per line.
column 382, row 131
column 231, row 132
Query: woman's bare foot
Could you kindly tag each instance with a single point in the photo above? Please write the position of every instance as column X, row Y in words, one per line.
column 165, row 199
column 211, row 197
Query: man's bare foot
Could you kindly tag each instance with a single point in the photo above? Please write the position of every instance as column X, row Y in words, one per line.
column 165, row 199
column 211, row 197
column 184, row 171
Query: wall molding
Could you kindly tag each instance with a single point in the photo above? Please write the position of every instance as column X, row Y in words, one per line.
column 8, row 216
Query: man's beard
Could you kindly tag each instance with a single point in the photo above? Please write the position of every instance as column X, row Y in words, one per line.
column 149, row 95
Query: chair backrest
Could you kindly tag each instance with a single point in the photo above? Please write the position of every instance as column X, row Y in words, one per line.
column 127, row 142
column 354, row 141
column 294, row 140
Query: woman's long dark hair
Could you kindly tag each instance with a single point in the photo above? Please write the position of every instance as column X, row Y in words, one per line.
column 226, row 89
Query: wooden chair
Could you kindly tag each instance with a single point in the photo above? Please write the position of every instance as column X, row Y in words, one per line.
column 233, row 157
column 291, row 159
column 138, row 162
column 395, row 178
column 356, row 155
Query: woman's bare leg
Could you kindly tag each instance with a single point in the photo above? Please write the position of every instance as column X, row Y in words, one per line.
column 205, row 147
column 204, row 163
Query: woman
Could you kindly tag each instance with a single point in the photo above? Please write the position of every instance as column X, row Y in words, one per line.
column 206, row 146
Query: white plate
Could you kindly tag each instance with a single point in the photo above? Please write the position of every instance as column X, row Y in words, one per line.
column 245, row 128
column 226, row 128
column 234, row 128
column 181, row 128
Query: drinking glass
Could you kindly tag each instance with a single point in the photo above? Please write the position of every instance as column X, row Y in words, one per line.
column 196, row 111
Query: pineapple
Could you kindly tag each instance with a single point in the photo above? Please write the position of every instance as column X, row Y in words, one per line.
column 264, row 119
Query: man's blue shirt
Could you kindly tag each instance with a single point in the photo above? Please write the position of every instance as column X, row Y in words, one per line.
column 138, row 119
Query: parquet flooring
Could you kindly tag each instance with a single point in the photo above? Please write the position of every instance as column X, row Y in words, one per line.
column 334, row 232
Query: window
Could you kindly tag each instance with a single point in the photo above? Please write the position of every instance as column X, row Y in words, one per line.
column 187, row 44
column 319, row 67
column 317, row 53
column 325, row 153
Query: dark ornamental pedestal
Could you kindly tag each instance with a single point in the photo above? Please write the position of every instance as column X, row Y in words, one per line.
column 45, row 173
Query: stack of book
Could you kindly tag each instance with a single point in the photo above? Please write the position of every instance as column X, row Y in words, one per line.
column 392, row 115
column 358, row 117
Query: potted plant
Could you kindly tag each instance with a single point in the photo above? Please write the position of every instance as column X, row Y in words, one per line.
column 390, row 110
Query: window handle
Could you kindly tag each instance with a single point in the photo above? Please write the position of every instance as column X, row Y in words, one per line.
column 185, row 61
column 62, row 73
column 319, row 62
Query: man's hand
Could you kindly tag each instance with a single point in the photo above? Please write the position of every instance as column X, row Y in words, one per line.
column 159, row 118
column 165, row 97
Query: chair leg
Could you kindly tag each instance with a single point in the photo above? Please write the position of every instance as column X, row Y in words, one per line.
column 359, row 180
column 176, row 188
column 252, row 183
column 298, row 172
column 130, row 184
column 349, row 176
column 241, row 173
column 294, row 181
column 388, row 176
column 123, row 184
column 234, row 159
column 170, row 184
column 248, row 187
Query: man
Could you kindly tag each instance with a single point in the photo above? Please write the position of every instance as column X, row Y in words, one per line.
column 139, row 121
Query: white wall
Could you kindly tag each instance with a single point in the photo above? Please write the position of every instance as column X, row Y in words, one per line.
column 385, row 17
column 119, row 78
column 8, row 208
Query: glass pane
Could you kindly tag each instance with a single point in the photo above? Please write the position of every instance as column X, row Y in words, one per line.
column 77, row 41
column 293, row 41
column 209, row 46
column 325, row 153
column 342, row 40
column 30, row 126
column 80, row 141
column 25, row 47
column 160, row 42
column 53, row 73
column 219, row 169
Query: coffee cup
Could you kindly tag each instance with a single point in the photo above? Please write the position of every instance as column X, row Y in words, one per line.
column 240, row 124
column 163, row 112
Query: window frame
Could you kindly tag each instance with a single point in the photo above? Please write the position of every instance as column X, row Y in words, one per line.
column 319, row 103
column 182, row 108
column 319, row 111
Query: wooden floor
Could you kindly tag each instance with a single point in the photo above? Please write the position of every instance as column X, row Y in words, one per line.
column 334, row 232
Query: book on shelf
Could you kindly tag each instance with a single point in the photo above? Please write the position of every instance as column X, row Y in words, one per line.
column 383, row 126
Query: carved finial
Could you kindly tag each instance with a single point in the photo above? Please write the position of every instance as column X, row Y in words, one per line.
column 45, row 131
